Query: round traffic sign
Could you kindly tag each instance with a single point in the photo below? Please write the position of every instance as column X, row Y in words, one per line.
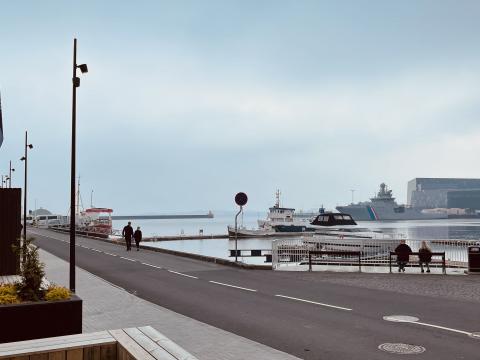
column 241, row 199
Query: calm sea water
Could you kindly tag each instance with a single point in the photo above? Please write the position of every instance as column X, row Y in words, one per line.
column 415, row 229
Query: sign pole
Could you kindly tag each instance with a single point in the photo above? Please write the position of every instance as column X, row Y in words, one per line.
column 240, row 199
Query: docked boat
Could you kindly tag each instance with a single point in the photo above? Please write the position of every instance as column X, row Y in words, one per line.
column 277, row 218
column 384, row 207
column 281, row 221
column 97, row 220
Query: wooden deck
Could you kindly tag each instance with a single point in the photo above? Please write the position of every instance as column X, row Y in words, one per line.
column 144, row 343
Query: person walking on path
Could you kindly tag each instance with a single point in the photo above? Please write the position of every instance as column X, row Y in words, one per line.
column 127, row 234
column 424, row 256
column 403, row 252
column 137, row 235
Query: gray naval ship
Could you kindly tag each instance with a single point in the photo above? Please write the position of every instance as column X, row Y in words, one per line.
column 384, row 207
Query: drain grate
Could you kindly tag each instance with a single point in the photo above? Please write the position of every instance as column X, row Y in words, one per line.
column 404, row 349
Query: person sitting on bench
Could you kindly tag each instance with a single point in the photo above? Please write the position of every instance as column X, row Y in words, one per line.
column 424, row 256
column 403, row 252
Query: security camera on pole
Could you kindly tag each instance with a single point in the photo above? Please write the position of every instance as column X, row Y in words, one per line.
column 240, row 199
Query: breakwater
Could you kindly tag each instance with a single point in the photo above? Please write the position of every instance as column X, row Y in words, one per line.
column 160, row 217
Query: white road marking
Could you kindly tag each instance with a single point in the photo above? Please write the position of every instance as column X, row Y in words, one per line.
column 190, row 276
column 314, row 302
column 431, row 325
column 96, row 250
column 233, row 286
column 107, row 253
column 49, row 236
column 121, row 257
column 444, row 328
column 158, row 267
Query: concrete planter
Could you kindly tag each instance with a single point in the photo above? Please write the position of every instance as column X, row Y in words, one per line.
column 40, row 319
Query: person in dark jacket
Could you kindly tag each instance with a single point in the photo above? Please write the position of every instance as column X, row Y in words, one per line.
column 403, row 252
column 137, row 235
column 424, row 256
column 127, row 233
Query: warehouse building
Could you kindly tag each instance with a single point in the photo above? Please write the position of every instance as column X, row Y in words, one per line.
column 428, row 193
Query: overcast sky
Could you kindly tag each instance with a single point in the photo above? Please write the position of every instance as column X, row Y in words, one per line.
column 188, row 102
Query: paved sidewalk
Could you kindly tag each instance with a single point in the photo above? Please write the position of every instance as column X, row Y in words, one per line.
column 106, row 306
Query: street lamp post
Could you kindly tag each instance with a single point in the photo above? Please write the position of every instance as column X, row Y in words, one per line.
column 75, row 83
column 25, row 159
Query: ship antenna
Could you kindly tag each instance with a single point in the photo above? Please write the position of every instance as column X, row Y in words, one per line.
column 277, row 198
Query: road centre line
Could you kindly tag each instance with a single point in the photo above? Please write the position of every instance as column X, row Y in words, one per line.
column 439, row 327
column 233, row 286
column 178, row 273
column 158, row 267
column 314, row 302
column 443, row 328
column 107, row 253
column 121, row 257
column 414, row 320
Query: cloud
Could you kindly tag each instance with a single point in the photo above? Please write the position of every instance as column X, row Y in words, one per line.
column 232, row 112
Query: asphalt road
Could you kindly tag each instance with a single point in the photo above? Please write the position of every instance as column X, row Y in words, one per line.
column 287, row 311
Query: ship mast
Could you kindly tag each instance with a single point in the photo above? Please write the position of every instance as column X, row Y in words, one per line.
column 277, row 198
column 79, row 203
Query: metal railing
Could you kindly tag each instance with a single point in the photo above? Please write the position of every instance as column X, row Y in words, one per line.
column 293, row 254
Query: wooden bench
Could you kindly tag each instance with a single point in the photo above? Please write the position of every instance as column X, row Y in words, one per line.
column 124, row 344
column 442, row 254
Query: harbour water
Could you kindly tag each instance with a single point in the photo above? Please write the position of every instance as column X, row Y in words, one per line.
column 468, row 229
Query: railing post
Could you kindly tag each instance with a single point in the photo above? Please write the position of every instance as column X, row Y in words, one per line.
column 309, row 261
column 390, row 260
column 444, row 265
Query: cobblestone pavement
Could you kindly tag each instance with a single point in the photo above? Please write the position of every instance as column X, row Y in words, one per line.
column 107, row 306
column 445, row 286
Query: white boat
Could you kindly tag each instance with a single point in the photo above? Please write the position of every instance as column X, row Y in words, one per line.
column 277, row 216
column 281, row 221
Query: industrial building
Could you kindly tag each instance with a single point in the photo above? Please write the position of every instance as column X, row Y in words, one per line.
column 428, row 193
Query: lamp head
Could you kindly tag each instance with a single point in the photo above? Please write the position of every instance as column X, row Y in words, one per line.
column 13, row 169
column 30, row 146
column 22, row 158
column 83, row 68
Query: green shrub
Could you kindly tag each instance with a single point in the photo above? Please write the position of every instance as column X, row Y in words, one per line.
column 57, row 293
column 31, row 272
column 8, row 294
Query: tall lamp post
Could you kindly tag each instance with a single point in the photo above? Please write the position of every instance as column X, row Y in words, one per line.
column 25, row 159
column 10, row 174
column 75, row 83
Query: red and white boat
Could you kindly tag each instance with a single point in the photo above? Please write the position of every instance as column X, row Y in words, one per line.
column 97, row 220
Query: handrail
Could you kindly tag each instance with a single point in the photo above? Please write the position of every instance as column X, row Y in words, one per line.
column 325, row 252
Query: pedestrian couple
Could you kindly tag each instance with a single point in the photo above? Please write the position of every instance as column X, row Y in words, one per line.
column 128, row 233
column 403, row 252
